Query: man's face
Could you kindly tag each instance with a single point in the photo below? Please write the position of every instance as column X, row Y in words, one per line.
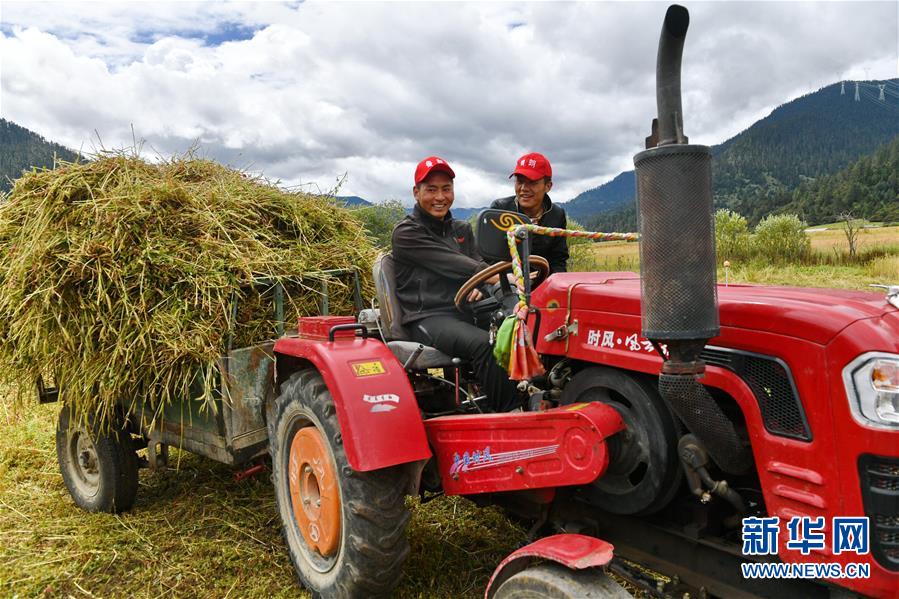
column 529, row 193
column 435, row 194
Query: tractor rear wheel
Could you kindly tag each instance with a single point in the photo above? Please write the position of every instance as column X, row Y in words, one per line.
column 98, row 468
column 345, row 530
column 644, row 469
column 553, row 581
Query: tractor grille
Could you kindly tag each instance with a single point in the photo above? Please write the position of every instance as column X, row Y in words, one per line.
column 879, row 478
column 772, row 384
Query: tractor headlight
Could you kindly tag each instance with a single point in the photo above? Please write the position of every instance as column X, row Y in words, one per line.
column 872, row 386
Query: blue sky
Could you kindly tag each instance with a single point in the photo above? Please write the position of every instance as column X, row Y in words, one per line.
column 221, row 33
column 305, row 92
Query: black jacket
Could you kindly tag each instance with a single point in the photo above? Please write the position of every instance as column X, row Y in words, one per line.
column 433, row 258
column 554, row 249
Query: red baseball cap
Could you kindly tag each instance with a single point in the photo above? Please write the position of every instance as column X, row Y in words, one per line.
column 533, row 166
column 429, row 165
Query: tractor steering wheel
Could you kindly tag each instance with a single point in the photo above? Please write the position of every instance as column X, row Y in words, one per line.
column 537, row 263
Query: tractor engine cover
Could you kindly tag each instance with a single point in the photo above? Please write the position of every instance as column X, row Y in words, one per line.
column 489, row 453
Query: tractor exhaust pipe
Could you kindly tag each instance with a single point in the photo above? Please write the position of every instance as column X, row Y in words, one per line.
column 668, row 96
column 677, row 236
column 679, row 296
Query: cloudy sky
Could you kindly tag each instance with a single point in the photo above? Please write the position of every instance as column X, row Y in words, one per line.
column 305, row 92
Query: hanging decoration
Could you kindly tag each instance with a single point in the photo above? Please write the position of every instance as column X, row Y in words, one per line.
column 514, row 349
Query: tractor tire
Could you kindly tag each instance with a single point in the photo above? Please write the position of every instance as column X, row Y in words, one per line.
column 644, row 470
column 98, row 468
column 345, row 530
column 554, row 581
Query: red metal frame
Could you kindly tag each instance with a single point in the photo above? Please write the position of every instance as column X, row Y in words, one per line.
column 318, row 327
column 573, row 551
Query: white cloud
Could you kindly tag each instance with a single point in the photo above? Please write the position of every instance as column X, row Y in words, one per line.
column 307, row 92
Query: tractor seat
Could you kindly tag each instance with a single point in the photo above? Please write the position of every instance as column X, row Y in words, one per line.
column 395, row 335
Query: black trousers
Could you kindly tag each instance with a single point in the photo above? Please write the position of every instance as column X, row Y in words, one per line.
column 458, row 338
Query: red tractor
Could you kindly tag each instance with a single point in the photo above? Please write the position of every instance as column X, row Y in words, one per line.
column 672, row 412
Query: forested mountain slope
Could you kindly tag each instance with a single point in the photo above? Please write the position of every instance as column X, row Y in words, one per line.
column 21, row 149
column 814, row 135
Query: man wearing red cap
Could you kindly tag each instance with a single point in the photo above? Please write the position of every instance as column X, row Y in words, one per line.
column 533, row 180
column 434, row 255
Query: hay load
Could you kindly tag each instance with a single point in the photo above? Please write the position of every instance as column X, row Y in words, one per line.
column 118, row 276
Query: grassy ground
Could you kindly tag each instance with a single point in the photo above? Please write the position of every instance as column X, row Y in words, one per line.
column 194, row 532
column 883, row 269
column 842, row 224
column 835, row 238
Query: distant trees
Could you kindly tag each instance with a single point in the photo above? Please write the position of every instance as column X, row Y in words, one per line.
column 851, row 227
column 868, row 188
column 379, row 220
column 620, row 220
column 778, row 238
column 781, row 238
column 21, row 150
column 731, row 235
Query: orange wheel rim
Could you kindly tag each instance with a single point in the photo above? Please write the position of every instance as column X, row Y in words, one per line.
column 314, row 491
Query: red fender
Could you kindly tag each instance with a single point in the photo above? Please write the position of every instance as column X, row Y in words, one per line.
column 573, row 551
column 376, row 407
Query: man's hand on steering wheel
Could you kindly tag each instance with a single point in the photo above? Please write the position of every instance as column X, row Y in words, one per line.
column 469, row 288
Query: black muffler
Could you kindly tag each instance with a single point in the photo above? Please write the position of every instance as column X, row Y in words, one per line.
column 679, row 301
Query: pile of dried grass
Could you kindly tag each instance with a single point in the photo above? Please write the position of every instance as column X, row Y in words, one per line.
column 118, row 276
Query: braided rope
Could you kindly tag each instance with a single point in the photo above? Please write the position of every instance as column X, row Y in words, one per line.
column 521, row 309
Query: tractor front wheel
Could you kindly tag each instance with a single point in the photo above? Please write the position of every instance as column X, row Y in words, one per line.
column 553, row 581
column 345, row 530
column 99, row 468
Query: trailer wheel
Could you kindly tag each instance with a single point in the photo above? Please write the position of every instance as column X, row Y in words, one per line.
column 99, row 469
column 554, row 581
column 644, row 469
column 345, row 530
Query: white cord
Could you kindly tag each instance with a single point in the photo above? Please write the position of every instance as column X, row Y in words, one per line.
column 374, row 301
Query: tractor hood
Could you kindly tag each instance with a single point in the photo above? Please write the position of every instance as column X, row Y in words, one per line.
column 813, row 314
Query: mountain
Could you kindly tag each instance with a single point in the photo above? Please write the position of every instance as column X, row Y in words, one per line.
column 352, row 201
column 466, row 213
column 607, row 196
column 818, row 134
column 814, row 135
column 22, row 150
column 867, row 188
